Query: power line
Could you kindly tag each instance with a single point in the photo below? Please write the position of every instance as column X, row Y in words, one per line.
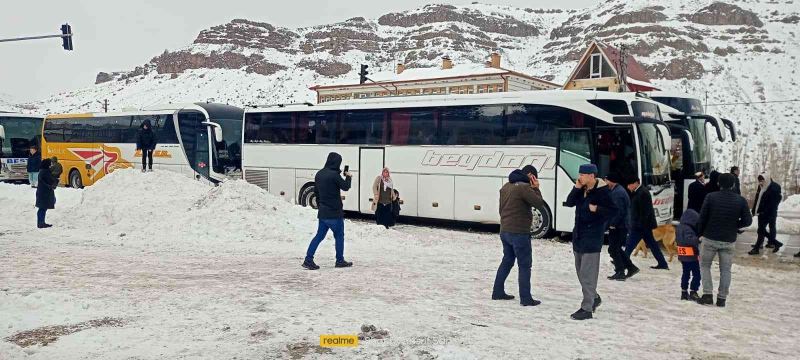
column 756, row 102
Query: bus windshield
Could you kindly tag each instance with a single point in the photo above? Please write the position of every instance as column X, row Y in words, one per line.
column 21, row 133
column 655, row 162
column 228, row 152
column 686, row 105
column 698, row 129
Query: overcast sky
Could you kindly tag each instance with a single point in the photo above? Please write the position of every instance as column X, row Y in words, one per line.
column 115, row 35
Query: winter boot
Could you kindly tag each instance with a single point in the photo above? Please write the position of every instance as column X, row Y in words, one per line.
column 343, row 264
column 684, row 295
column 310, row 265
column 502, row 297
column 633, row 270
column 778, row 246
column 597, row 302
column 797, row 255
column 581, row 315
column 693, row 296
column 660, row 267
column 720, row 302
column 619, row 276
column 706, row 299
column 770, row 245
column 754, row 251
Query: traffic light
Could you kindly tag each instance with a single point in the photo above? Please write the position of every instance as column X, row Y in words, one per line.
column 66, row 36
column 363, row 74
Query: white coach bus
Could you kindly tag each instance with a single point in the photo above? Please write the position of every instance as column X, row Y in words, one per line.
column 449, row 155
column 18, row 132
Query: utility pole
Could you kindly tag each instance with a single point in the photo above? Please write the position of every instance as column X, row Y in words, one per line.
column 66, row 37
column 104, row 104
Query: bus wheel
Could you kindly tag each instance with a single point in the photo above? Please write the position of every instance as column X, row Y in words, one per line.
column 542, row 227
column 308, row 196
column 75, row 179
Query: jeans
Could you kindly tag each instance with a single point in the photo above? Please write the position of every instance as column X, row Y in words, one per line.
column 637, row 234
column 616, row 239
column 147, row 154
column 708, row 250
column 587, row 265
column 763, row 222
column 690, row 269
column 337, row 227
column 515, row 246
column 33, row 178
column 40, row 214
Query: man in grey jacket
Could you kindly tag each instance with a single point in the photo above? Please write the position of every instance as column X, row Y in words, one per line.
column 723, row 213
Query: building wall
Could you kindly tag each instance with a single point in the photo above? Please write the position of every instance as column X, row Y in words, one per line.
column 472, row 85
column 578, row 84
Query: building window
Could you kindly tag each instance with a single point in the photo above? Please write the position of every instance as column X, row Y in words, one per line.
column 596, row 65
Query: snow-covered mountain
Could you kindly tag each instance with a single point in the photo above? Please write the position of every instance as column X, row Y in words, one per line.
column 737, row 51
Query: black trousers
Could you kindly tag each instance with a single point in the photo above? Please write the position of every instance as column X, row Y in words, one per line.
column 763, row 221
column 147, row 155
column 616, row 239
column 384, row 215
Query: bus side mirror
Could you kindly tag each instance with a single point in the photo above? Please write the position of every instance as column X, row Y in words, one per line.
column 2, row 133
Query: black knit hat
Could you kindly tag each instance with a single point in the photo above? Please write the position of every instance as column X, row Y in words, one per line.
column 616, row 177
column 530, row 169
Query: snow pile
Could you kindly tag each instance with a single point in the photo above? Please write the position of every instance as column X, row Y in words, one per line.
column 173, row 208
column 17, row 205
column 791, row 204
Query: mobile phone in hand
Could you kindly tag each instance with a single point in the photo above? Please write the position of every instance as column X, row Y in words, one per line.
column 346, row 168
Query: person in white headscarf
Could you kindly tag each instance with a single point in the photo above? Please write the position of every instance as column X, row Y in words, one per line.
column 383, row 197
column 765, row 207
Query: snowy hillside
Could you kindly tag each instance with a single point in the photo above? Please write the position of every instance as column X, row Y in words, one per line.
column 730, row 52
column 159, row 266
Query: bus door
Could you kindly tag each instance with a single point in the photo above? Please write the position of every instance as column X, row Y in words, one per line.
column 574, row 149
column 194, row 138
column 682, row 167
column 615, row 150
column 370, row 164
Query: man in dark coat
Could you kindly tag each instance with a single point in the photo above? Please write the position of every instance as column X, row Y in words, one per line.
column 737, row 188
column 713, row 182
column 697, row 192
column 594, row 207
column 328, row 186
column 34, row 164
column 643, row 221
column 724, row 212
column 45, row 194
column 618, row 228
column 146, row 141
column 517, row 198
column 765, row 206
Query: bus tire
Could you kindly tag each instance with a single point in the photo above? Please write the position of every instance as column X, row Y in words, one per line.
column 75, row 180
column 542, row 226
column 308, row 196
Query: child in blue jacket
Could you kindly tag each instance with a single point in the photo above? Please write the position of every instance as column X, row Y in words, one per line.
column 689, row 253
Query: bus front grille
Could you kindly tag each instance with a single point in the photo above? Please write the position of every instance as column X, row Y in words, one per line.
column 258, row 178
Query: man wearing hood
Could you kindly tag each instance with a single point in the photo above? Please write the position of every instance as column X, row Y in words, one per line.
column 517, row 197
column 594, row 207
column 765, row 207
column 328, row 186
column 723, row 213
column 146, row 141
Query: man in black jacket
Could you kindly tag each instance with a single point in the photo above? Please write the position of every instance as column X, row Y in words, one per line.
column 723, row 213
column 618, row 228
column 765, row 206
column 328, row 186
column 643, row 221
column 146, row 141
column 593, row 209
column 697, row 192
column 737, row 188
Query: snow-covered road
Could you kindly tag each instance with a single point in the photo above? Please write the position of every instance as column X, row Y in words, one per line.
column 196, row 272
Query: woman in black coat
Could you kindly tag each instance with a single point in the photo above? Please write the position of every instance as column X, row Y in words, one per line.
column 45, row 193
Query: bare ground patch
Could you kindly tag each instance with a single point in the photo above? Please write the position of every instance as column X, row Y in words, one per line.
column 49, row 334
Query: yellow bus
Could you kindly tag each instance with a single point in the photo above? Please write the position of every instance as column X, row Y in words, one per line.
column 201, row 140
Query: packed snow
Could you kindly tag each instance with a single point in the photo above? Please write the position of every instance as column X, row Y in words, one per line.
column 179, row 269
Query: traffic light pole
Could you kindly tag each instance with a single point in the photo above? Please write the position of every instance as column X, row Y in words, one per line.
column 36, row 37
